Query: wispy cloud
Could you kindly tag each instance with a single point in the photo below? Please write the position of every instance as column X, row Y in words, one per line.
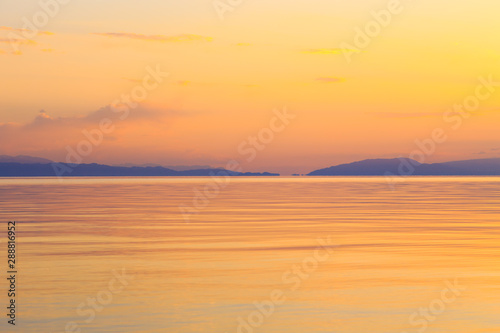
column 21, row 31
column 44, row 120
column 156, row 38
column 18, row 41
column 46, row 133
column 243, row 44
column 43, row 115
column 330, row 79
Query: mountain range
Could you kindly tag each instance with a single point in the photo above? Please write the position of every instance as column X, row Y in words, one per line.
column 23, row 159
column 28, row 166
column 410, row 167
column 173, row 167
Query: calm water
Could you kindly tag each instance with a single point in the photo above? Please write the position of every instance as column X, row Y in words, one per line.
column 394, row 254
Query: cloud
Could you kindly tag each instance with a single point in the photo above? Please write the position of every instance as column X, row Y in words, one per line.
column 18, row 41
column 243, row 44
column 22, row 31
column 17, row 37
column 15, row 43
column 43, row 115
column 139, row 113
column 157, row 38
column 480, row 153
column 52, row 134
column 330, row 79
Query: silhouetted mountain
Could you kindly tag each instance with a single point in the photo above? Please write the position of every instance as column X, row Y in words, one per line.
column 479, row 167
column 175, row 167
column 99, row 170
column 409, row 167
column 23, row 159
column 374, row 167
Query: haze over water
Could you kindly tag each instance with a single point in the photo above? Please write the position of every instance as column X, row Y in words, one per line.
column 396, row 252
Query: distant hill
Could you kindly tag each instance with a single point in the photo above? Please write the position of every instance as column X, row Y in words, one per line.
column 99, row 170
column 174, row 167
column 406, row 166
column 23, row 159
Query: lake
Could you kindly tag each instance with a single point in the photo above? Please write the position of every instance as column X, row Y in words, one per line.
column 264, row 254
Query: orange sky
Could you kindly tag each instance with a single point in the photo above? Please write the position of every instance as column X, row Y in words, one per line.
column 229, row 70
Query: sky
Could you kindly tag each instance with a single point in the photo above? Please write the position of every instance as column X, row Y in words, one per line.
column 358, row 79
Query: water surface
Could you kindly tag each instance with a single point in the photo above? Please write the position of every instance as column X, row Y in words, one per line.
column 396, row 251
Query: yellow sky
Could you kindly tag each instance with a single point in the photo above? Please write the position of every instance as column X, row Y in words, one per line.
column 355, row 95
